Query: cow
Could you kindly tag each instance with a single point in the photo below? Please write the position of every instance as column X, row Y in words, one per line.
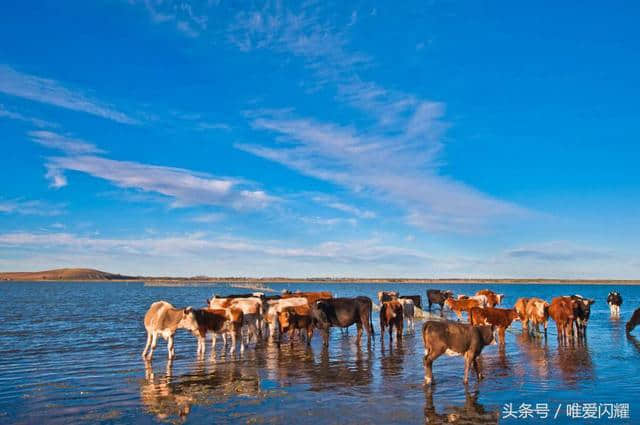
column 436, row 296
column 252, row 310
column 493, row 299
column 408, row 310
column 458, row 306
column 387, row 296
column 482, row 299
column 537, row 313
column 615, row 301
column 224, row 321
column 582, row 313
column 417, row 300
column 521, row 307
column 295, row 318
column 499, row 318
column 273, row 307
column 391, row 315
column 164, row 320
column 343, row 312
column 311, row 297
column 454, row 339
column 634, row 321
column 561, row 311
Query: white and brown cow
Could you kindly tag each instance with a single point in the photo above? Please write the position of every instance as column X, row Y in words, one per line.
column 252, row 309
column 163, row 319
column 273, row 307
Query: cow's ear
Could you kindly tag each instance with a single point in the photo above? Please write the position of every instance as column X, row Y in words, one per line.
column 188, row 310
column 592, row 301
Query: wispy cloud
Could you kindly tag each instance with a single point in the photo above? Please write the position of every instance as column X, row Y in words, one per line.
column 351, row 252
column 207, row 218
column 30, row 207
column 399, row 163
column 66, row 144
column 559, row 251
column 183, row 186
column 331, row 202
column 6, row 113
column 44, row 90
column 183, row 15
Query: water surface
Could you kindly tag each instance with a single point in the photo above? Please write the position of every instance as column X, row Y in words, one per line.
column 70, row 353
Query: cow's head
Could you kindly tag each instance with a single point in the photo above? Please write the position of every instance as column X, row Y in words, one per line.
column 499, row 297
column 513, row 315
column 319, row 315
column 284, row 320
column 188, row 320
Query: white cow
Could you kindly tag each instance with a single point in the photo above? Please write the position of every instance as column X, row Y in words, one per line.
column 164, row 320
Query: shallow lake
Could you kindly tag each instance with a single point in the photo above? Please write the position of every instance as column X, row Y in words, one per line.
column 70, row 353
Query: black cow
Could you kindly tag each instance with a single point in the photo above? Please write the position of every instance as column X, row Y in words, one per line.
column 615, row 301
column 581, row 312
column 342, row 313
column 454, row 339
column 436, row 296
column 417, row 299
column 634, row 321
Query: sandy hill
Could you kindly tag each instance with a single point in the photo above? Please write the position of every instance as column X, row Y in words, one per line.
column 63, row 274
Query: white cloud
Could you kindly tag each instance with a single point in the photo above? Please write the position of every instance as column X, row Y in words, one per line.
column 208, row 218
column 185, row 187
column 341, row 206
column 66, row 144
column 395, row 161
column 30, row 207
column 5, row 113
column 51, row 92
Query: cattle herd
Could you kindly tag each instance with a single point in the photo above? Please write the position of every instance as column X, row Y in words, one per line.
column 247, row 318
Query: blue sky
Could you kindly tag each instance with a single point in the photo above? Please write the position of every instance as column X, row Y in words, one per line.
column 428, row 139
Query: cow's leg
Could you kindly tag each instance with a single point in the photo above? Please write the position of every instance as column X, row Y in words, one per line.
column 428, row 360
column 467, row 365
column 501, row 333
column 325, row 336
column 170, row 349
column 359, row 336
column 147, row 345
column 309, row 334
column 154, row 341
column 382, row 328
column 477, row 367
column 545, row 328
column 238, row 333
column 429, row 305
column 390, row 333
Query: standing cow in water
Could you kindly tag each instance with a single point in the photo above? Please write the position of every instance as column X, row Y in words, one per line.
column 615, row 301
column 342, row 313
column 436, row 296
column 454, row 339
column 391, row 315
column 163, row 319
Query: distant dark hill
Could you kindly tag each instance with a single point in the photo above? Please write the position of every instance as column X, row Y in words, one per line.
column 64, row 274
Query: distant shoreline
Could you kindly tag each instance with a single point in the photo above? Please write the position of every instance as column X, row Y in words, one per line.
column 92, row 275
column 195, row 282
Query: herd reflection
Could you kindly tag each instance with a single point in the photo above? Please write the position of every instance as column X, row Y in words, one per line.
column 348, row 370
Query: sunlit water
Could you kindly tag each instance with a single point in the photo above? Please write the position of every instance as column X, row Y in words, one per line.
column 70, row 353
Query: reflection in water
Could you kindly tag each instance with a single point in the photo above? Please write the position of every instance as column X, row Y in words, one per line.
column 574, row 362
column 536, row 352
column 170, row 398
column 634, row 341
column 471, row 412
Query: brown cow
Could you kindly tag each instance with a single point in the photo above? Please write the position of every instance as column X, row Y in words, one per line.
column 298, row 318
column 391, row 315
column 634, row 321
column 454, row 339
column 501, row 318
column 162, row 319
column 493, row 299
column 521, row 308
column 311, row 297
column 224, row 321
column 561, row 311
column 458, row 306
column 537, row 312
